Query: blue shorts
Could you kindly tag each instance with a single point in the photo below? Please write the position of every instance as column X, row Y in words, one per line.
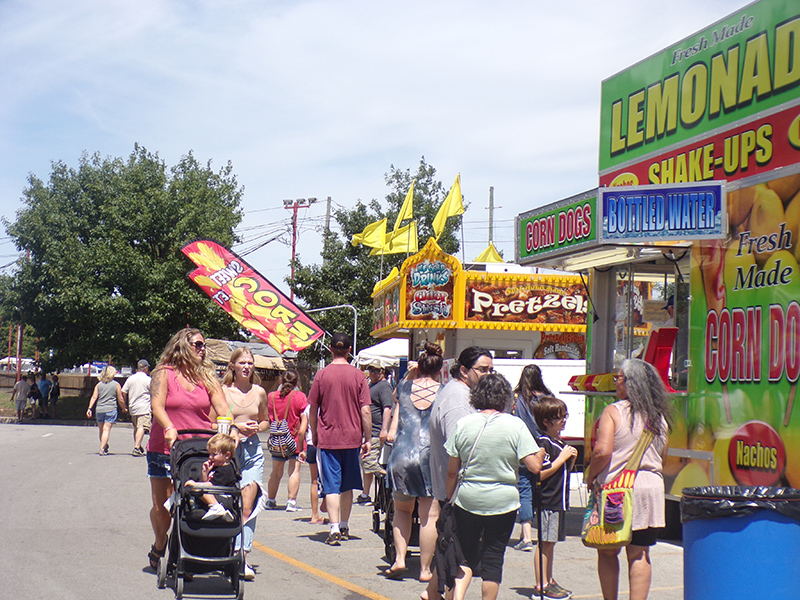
column 251, row 460
column 107, row 417
column 157, row 465
column 311, row 454
column 339, row 470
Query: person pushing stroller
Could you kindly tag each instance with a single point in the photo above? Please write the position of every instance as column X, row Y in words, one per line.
column 218, row 471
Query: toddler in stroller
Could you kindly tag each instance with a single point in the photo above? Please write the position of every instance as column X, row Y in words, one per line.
column 217, row 471
column 202, row 538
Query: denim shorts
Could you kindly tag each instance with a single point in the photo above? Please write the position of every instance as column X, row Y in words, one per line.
column 107, row 417
column 157, row 465
column 251, row 460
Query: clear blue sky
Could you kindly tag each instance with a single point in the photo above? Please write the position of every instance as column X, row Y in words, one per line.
column 319, row 98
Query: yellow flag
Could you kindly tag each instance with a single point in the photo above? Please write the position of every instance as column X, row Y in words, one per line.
column 404, row 240
column 490, row 255
column 374, row 235
column 453, row 206
column 407, row 210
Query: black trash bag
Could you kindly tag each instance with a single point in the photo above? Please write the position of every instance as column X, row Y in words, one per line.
column 718, row 501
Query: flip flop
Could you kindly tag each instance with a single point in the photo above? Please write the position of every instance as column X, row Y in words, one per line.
column 397, row 574
column 154, row 556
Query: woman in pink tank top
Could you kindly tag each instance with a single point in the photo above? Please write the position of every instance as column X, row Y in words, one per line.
column 643, row 402
column 184, row 394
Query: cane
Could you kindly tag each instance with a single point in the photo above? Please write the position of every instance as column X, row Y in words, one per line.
column 538, row 503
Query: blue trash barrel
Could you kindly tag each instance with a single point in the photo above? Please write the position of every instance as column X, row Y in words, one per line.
column 740, row 542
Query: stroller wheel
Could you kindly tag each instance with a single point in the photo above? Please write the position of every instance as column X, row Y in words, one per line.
column 239, row 590
column 178, row 587
column 162, row 573
column 376, row 521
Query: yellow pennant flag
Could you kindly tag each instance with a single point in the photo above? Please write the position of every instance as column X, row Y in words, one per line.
column 404, row 240
column 407, row 210
column 453, row 206
column 374, row 235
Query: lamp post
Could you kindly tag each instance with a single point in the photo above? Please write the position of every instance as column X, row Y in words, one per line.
column 293, row 205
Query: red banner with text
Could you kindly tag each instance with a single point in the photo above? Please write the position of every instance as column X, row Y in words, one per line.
column 250, row 298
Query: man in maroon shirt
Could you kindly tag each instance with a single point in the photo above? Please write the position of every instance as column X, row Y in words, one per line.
column 341, row 425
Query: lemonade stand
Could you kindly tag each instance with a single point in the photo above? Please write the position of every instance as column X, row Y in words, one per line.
column 699, row 202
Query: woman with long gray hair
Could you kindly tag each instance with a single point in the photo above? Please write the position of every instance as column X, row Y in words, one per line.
column 643, row 403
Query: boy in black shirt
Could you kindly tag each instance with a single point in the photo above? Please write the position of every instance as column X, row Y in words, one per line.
column 551, row 417
column 217, row 470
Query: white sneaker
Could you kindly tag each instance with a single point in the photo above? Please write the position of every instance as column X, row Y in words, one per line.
column 249, row 573
column 291, row 506
column 216, row 511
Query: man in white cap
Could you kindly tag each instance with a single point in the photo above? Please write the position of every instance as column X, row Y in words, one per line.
column 136, row 393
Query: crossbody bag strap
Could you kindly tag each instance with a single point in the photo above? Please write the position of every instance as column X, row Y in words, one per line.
column 288, row 406
column 644, row 442
column 274, row 407
column 463, row 471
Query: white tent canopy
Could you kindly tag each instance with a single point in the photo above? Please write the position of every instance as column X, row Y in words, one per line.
column 386, row 354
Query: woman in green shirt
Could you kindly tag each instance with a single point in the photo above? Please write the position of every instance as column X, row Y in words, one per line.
column 487, row 500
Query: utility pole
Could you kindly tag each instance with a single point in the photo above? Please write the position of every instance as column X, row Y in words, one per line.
column 491, row 212
column 327, row 231
column 294, row 205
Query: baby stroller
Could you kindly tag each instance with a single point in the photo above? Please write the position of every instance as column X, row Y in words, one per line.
column 194, row 545
column 383, row 510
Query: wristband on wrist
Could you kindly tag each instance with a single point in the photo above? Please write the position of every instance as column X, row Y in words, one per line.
column 166, row 429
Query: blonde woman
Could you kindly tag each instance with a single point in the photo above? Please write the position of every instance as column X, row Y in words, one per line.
column 107, row 395
column 247, row 402
column 184, row 394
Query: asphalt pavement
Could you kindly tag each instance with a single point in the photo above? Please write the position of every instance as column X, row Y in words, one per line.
column 76, row 525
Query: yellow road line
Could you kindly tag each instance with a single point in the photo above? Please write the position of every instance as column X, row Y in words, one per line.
column 320, row 573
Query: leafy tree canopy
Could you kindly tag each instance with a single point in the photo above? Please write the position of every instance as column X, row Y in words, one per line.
column 348, row 274
column 104, row 276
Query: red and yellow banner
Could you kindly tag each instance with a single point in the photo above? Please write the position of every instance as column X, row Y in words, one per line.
column 250, row 298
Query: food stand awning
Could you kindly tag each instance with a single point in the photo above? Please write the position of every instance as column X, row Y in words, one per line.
column 386, row 354
column 264, row 355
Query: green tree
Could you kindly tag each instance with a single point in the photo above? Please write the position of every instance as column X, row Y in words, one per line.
column 104, row 275
column 10, row 319
column 348, row 274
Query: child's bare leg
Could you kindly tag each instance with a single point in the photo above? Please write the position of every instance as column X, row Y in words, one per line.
column 546, row 550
